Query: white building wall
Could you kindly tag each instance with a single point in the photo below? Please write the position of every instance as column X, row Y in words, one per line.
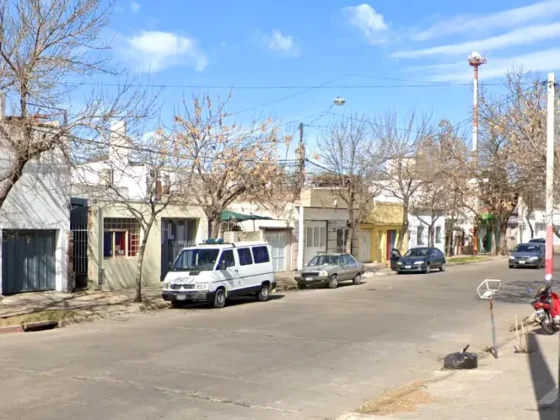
column 40, row 200
column 416, row 224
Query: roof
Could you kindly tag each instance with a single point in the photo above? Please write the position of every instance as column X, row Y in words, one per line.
column 232, row 216
column 228, row 245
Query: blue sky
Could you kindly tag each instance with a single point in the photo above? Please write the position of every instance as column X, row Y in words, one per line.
column 249, row 43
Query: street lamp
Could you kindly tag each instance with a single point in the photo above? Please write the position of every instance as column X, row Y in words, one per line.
column 338, row 101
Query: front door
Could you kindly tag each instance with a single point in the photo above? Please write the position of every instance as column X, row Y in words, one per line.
column 365, row 246
column 391, row 239
column 315, row 239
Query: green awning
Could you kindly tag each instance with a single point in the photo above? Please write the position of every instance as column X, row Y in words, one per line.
column 231, row 216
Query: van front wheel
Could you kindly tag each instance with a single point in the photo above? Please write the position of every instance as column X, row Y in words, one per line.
column 220, row 298
column 264, row 293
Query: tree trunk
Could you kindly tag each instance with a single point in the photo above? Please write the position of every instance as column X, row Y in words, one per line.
column 502, row 250
column 449, row 238
column 431, row 241
column 351, row 229
column 404, row 228
column 140, row 262
column 215, row 227
column 530, row 226
column 17, row 171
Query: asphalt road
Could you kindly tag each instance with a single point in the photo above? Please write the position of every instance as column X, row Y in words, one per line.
column 312, row 354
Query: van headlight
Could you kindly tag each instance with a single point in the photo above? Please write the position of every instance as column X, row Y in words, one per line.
column 323, row 274
column 165, row 285
column 202, row 286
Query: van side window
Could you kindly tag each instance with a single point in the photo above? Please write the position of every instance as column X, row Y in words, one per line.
column 260, row 254
column 245, row 257
column 226, row 260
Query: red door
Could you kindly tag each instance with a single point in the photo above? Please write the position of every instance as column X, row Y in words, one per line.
column 391, row 236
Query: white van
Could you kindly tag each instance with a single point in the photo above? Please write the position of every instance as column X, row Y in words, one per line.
column 213, row 272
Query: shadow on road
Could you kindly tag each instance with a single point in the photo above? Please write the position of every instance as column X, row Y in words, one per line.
column 544, row 385
column 520, row 291
column 231, row 302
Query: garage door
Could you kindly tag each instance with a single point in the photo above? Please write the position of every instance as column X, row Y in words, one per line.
column 28, row 263
column 365, row 246
column 278, row 242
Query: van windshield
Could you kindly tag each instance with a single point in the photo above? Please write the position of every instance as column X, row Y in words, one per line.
column 196, row 259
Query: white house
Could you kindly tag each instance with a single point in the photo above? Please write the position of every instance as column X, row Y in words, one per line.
column 418, row 231
column 113, row 231
column 35, row 224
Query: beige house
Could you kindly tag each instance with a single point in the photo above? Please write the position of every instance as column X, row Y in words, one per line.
column 114, row 238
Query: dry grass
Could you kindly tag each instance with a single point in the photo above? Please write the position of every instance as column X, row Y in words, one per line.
column 466, row 259
column 405, row 398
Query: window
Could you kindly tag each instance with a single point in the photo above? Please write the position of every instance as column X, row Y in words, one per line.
column 226, row 260
column 245, row 257
column 341, row 239
column 438, row 234
column 121, row 237
column 348, row 259
column 197, row 259
column 323, row 260
column 260, row 254
column 420, row 235
column 316, row 237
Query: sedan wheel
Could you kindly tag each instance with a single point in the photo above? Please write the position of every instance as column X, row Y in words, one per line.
column 427, row 269
column 333, row 283
column 358, row 279
column 442, row 268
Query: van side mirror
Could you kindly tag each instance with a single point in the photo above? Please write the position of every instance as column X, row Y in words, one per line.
column 223, row 266
column 169, row 264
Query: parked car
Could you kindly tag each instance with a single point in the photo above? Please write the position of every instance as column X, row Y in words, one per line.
column 420, row 260
column 527, row 255
column 537, row 240
column 213, row 272
column 330, row 269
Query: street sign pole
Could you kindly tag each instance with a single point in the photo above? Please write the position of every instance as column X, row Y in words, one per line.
column 486, row 290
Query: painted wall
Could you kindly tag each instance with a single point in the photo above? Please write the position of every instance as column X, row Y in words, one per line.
column 120, row 272
column 41, row 200
column 415, row 222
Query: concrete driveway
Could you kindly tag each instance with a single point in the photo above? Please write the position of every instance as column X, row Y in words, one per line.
column 312, row 354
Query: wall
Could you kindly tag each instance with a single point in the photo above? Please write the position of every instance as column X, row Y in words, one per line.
column 415, row 221
column 40, row 200
column 120, row 272
column 538, row 221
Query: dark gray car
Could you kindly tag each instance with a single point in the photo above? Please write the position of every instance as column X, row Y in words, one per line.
column 527, row 255
column 330, row 269
column 421, row 260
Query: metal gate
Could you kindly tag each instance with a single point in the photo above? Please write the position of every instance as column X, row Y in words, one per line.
column 278, row 242
column 28, row 260
column 80, row 255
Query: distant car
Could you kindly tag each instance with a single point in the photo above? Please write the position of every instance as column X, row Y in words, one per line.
column 537, row 241
column 330, row 269
column 527, row 255
column 421, row 260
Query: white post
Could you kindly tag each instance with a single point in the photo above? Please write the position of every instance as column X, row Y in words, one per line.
column 549, row 178
column 301, row 232
column 475, row 114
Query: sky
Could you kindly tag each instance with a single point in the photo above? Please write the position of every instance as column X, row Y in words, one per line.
column 290, row 59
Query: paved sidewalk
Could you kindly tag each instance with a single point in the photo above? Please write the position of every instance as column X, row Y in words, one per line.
column 516, row 386
column 93, row 301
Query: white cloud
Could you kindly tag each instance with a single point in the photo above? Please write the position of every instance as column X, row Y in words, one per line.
column 282, row 43
column 523, row 36
column 156, row 51
column 368, row 21
column 540, row 61
column 134, row 6
column 504, row 19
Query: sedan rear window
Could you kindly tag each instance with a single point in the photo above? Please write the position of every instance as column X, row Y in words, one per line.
column 527, row 248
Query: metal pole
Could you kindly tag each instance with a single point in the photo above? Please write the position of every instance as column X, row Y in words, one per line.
column 549, row 179
column 491, row 303
column 475, row 115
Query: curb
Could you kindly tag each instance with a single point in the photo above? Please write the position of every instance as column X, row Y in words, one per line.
column 11, row 329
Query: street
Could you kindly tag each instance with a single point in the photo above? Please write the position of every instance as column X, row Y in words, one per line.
column 311, row 354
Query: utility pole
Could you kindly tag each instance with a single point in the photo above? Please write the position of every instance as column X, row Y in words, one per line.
column 300, row 182
column 549, row 178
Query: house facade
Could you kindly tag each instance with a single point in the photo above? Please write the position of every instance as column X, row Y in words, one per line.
column 114, row 229
column 35, row 225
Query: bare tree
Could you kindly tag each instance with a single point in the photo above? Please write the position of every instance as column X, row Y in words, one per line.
column 346, row 151
column 438, row 168
column 45, row 48
column 399, row 141
column 228, row 161
column 140, row 178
